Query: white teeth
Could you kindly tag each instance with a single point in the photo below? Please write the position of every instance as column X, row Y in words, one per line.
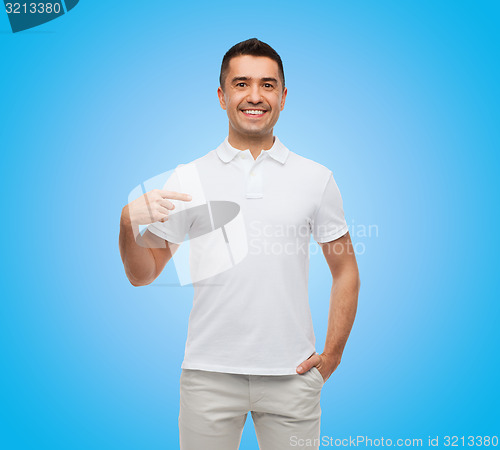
column 253, row 111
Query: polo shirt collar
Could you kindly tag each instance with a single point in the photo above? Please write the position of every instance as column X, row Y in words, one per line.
column 278, row 151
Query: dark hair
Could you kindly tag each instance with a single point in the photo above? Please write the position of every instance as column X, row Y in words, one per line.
column 252, row 47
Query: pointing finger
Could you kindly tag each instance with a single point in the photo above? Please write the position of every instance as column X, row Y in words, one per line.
column 175, row 195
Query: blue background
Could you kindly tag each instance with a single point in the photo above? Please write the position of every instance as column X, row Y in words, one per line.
column 399, row 99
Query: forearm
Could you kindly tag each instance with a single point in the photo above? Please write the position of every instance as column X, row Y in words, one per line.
column 138, row 261
column 343, row 305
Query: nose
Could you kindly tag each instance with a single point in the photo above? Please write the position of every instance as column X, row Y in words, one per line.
column 254, row 95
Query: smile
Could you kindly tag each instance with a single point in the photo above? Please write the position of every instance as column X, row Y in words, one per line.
column 253, row 112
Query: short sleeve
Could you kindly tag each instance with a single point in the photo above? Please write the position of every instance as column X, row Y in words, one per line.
column 329, row 222
column 174, row 230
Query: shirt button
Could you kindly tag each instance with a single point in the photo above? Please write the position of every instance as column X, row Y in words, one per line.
column 242, row 156
column 252, row 173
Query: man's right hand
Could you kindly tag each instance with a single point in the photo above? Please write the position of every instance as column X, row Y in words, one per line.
column 153, row 206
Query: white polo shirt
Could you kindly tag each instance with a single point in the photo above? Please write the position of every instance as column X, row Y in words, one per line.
column 252, row 315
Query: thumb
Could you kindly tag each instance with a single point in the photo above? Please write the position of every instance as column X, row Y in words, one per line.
column 304, row 366
column 308, row 363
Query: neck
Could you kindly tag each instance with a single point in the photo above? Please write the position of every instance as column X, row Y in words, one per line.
column 254, row 143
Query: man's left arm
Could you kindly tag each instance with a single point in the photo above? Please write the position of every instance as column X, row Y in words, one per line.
column 340, row 257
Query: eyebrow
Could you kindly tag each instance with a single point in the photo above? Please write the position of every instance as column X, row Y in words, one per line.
column 274, row 80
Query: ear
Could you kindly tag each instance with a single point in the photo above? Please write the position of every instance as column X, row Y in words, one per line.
column 222, row 100
column 283, row 98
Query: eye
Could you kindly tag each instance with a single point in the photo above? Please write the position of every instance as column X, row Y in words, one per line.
column 240, row 84
column 268, row 85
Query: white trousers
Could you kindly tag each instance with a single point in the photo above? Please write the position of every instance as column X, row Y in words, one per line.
column 214, row 406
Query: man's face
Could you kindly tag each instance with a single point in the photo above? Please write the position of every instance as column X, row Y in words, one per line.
column 253, row 95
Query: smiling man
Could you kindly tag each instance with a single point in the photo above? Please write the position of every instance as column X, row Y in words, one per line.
column 251, row 344
column 252, row 91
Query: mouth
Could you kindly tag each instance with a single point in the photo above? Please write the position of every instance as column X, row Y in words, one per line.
column 254, row 113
